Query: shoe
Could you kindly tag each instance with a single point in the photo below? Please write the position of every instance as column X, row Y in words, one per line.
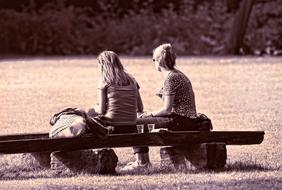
column 136, row 166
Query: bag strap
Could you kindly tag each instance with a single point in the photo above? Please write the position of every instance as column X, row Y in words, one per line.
column 67, row 111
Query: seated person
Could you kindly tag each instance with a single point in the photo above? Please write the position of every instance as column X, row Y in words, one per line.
column 179, row 109
column 118, row 94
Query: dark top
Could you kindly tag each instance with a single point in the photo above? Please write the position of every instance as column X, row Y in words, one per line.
column 121, row 105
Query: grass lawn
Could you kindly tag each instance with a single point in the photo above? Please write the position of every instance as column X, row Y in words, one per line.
column 237, row 93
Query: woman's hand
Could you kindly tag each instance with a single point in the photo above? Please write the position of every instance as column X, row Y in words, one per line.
column 145, row 114
column 139, row 114
column 91, row 112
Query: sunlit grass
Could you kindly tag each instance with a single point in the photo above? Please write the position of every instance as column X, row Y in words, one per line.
column 236, row 93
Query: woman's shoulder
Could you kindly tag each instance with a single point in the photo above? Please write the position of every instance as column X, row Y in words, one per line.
column 102, row 85
column 133, row 81
column 176, row 77
column 131, row 77
column 173, row 75
column 179, row 75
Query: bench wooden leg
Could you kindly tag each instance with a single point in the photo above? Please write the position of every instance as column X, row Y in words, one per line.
column 91, row 161
column 206, row 155
column 172, row 158
column 201, row 156
column 64, row 162
column 43, row 158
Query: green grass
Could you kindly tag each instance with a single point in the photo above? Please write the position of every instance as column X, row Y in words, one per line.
column 236, row 93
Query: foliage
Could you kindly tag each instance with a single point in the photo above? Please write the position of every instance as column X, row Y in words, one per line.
column 51, row 30
column 193, row 29
column 265, row 29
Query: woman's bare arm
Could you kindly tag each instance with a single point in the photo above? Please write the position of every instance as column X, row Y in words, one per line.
column 166, row 108
column 139, row 103
column 101, row 101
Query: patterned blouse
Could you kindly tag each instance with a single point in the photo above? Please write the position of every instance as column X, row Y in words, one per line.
column 178, row 84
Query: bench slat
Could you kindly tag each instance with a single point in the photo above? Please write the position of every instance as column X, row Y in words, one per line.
column 23, row 136
column 40, row 142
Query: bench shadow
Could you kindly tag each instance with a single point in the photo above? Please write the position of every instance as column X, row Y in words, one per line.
column 233, row 167
column 43, row 174
column 40, row 172
column 245, row 167
column 250, row 183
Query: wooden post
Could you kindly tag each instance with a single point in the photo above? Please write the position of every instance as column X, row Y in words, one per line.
column 43, row 158
column 206, row 155
column 236, row 37
column 201, row 156
column 172, row 158
column 91, row 161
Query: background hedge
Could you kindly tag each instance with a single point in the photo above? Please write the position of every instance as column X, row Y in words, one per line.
column 133, row 27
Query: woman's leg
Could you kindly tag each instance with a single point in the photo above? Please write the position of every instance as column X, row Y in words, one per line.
column 160, row 122
column 142, row 161
column 142, row 153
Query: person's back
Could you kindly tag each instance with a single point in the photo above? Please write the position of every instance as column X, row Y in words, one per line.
column 119, row 98
column 179, row 85
column 122, row 104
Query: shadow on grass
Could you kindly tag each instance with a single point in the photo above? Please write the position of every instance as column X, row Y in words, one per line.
column 254, row 183
column 242, row 166
column 237, row 166
column 14, row 174
column 23, row 173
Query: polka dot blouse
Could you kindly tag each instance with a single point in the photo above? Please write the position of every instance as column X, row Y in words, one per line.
column 179, row 85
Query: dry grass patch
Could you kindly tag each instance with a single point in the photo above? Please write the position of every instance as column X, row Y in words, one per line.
column 236, row 93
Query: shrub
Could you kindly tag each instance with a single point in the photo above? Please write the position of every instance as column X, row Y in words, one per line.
column 265, row 27
column 51, row 30
column 59, row 29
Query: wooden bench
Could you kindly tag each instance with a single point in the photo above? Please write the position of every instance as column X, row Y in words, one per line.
column 202, row 149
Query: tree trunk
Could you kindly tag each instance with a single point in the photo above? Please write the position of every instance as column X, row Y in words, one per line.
column 236, row 37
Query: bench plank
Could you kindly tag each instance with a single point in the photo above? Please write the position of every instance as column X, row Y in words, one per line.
column 41, row 142
column 24, row 136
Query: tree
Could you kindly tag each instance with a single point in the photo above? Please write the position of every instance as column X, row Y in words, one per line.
column 237, row 33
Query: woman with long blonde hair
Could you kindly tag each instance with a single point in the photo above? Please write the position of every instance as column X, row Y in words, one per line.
column 112, row 71
column 119, row 99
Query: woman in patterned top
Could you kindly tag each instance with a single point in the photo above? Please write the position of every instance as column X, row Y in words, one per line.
column 178, row 102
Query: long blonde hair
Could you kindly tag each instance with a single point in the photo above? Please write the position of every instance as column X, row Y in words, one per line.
column 112, row 70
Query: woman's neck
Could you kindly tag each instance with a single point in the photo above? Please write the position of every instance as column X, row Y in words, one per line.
column 165, row 72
